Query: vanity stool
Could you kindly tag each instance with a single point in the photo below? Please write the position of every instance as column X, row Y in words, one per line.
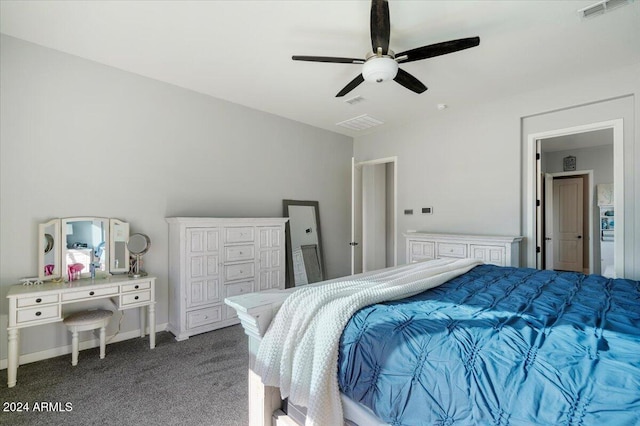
column 87, row 320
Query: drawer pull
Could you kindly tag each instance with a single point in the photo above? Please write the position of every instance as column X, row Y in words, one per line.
column 38, row 313
column 136, row 298
column 38, row 300
column 91, row 293
column 137, row 286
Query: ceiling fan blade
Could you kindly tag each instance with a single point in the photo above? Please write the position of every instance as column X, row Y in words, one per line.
column 328, row 59
column 409, row 81
column 437, row 49
column 352, row 85
column 380, row 26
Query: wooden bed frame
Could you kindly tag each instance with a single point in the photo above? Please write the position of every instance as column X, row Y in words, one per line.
column 255, row 311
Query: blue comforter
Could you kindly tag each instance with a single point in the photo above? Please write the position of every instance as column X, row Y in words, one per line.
column 500, row 346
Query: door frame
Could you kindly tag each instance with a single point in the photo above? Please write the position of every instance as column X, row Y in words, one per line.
column 592, row 242
column 618, row 187
column 357, row 168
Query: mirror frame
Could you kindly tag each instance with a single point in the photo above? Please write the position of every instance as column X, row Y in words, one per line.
column 289, row 282
column 111, row 235
column 137, row 271
column 118, row 232
column 57, row 266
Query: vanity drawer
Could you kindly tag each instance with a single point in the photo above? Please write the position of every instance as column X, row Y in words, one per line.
column 135, row 287
column 37, row 300
column 239, row 271
column 204, row 316
column 38, row 314
column 239, row 234
column 452, row 250
column 134, row 298
column 87, row 293
column 239, row 253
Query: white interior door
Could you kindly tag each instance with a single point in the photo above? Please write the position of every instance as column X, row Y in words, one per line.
column 548, row 221
column 539, row 207
column 356, row 218
column 380, row 212
column 374, row 218
column 568, row 224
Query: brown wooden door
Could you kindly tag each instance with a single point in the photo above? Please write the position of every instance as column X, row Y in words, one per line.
column 568, row 224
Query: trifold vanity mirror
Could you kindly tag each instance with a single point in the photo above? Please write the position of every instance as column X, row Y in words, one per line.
column 82, row 247
column 305, row 262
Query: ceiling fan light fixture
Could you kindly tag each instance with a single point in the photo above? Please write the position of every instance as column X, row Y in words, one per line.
column 379, row 69
column 381, row 63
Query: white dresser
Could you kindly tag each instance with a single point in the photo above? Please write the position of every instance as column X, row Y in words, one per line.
column 214, row 258
column 34, row 305
column 495, row 250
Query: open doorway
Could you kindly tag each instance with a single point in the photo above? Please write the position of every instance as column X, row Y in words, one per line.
column 572, row 163
column 374, row 222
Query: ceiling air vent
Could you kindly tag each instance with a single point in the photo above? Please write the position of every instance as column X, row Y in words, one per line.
column 602, row 7
column 360, row 122
column 355, row 100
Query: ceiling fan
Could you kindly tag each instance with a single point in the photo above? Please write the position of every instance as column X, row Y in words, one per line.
column 381, row 64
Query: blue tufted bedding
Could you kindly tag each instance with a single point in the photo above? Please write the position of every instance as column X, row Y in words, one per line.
column 500, row 346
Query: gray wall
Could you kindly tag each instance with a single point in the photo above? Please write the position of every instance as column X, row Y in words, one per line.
column 597, row 158
column 82, row 139
column 468, row 161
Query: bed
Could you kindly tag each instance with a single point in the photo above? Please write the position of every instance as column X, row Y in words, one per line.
column 490, row 345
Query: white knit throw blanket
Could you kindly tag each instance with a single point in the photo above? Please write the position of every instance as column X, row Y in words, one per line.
column 299, row 352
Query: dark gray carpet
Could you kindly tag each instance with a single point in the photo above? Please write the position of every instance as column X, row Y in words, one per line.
column 199, row 381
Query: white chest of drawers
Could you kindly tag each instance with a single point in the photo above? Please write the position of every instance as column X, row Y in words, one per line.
column 491, row 249
column 214, row 258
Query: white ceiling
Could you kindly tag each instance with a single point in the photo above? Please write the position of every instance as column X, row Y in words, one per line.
column 241, row 51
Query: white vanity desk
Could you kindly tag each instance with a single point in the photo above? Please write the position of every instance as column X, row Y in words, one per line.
column 34, row 305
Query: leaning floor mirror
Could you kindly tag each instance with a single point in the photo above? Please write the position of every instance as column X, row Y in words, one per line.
column 305, row 263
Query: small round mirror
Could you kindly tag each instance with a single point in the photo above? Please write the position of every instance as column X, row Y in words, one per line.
column 138, row 245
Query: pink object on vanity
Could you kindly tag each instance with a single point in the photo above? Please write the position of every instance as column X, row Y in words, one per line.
column 74, row 271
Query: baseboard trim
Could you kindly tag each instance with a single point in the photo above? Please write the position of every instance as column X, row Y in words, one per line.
column 87, row 344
